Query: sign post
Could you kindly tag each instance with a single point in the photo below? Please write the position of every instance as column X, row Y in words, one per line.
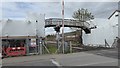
column 63, row 26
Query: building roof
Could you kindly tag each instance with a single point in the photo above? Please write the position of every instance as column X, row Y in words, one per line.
column 113, row 13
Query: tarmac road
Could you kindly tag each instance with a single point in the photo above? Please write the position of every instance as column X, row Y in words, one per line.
column 112, row 53
column 88, row 58
column 85, row 59
column 34, row 60
column 41, row 62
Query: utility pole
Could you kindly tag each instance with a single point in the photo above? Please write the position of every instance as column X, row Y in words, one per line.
column 63, row 26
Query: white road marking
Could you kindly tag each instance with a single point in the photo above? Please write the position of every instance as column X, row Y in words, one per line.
column 56, row 63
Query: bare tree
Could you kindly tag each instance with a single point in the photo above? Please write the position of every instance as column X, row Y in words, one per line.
column 82, row 15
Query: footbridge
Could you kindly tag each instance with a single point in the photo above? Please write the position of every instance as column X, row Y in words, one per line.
column 52, row 22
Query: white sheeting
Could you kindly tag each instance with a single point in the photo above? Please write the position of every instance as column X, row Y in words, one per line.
column 106, row 29
column 28, row 27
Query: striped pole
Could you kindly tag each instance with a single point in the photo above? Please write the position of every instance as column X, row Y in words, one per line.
column 63, row 26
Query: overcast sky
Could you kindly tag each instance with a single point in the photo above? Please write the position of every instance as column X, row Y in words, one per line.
column 18, row 10
column 53, row 9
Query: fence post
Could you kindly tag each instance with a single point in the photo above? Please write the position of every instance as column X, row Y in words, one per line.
column 27, row 45
column 40, row 45
column 70, row 47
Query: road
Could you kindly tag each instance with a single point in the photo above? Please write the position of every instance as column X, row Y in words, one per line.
column 88, row 58
column 35, row 60
column 112, row 53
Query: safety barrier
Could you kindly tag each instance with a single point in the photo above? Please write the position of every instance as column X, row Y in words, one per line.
column 15, row 51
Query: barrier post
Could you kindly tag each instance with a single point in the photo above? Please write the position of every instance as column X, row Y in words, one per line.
column 70, row 47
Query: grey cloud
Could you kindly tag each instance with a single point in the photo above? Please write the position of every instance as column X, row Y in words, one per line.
column 53, row 9
column 98, row 9
column 53, row 14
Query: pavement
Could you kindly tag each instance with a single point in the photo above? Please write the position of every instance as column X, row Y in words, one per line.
column 88, row 58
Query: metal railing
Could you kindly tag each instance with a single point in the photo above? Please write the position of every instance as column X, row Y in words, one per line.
column 69, row 22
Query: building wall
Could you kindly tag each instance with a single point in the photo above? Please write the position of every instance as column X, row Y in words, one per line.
column 106, row 29
column 28, row 27
column 39, row 21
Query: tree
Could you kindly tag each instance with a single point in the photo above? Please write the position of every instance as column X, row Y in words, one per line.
column 82, row 15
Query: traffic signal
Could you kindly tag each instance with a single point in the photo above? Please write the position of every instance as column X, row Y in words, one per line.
column 57, row 28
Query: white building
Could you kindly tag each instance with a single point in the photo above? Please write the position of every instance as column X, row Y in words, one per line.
column 107, row 29
column 32, row 26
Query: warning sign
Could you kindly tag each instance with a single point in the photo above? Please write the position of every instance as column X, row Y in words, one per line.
column 33, row 43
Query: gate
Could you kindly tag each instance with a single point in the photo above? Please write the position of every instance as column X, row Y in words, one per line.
column 35, row 46
column 32, row 46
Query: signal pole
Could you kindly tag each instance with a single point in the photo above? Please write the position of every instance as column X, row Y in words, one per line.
column 63, row 26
